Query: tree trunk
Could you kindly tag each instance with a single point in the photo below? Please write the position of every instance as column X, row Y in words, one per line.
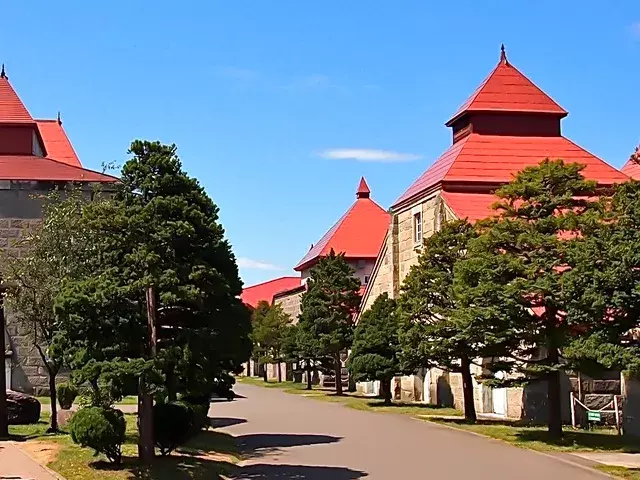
column 309, row 375
column 279, row 372
column 385, row 390
column 146, row 446
column 467, row 390
column 338, row 373
column 264, row 372
column 53, row 427
column 554, row 397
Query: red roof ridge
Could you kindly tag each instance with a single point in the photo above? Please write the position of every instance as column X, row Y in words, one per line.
column 593, row 155
column 57, row 143
column 12, row 109
column 115, row 179
column 448, row 155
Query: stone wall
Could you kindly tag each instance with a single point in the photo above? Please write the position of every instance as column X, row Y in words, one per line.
column 290, row 304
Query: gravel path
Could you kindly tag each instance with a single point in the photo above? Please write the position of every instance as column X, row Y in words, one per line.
column 289, row 436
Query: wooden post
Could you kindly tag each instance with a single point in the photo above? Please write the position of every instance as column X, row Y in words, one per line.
column 617, row 409
column 573, row 410
column 4, row 414
column 146, row 448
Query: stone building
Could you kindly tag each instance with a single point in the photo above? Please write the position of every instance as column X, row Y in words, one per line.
column 508, row 123
column 35, row 157
column 358, row 234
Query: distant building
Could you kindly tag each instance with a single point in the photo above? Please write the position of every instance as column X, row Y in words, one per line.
column 358, row 234
column 507, row 124
column 35, row 157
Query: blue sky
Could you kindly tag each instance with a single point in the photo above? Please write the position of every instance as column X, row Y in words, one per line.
column 254, row 93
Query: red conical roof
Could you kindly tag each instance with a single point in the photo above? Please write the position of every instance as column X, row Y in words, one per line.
column 358, row 234
column 12, row 110
column 363, row 189
column 506, row 89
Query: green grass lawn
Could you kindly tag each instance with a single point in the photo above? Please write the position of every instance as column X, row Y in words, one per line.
column 353, row 400
column 207, row 455
column 622, row 472
column 537, row 438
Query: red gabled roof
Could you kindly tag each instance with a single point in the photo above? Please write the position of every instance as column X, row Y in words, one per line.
column 56, row 142
column 495, row 159
column 632, row 167
column 266, row 290
column 506, row 89
column 358, row 234
column 12, row 110
column 30, row 167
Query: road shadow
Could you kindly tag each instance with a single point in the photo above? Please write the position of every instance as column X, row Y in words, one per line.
column 222, row 422
column 298, row 472
column 260, row 444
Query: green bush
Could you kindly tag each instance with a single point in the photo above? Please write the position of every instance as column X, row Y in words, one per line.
column 102, row 429
column 66, row 394
column 173, row 425
column 200, row 413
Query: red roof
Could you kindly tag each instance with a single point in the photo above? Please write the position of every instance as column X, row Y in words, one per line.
column 56, row 142
column 497, row 158
column 632, row 169
column 266, row 290
column 506, row 89
column 472, row 206
column 30, row 167
column 358, row 234
column 12, row 110
column 60, row 163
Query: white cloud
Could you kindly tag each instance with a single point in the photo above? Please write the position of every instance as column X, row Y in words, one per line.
column 248, row 263
column 368, row 155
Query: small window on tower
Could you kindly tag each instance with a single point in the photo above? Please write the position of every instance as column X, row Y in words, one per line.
column 417, row 228
column 366, row 279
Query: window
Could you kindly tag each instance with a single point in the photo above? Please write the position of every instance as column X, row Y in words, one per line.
column 417, row 228
column 366, row 279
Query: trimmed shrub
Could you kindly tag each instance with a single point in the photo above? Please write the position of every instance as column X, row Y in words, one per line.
column 173, row 424
column 200, row 412
column 66, row 394
column 102, row 429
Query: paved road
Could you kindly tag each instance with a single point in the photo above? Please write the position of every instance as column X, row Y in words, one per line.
column 289, row 436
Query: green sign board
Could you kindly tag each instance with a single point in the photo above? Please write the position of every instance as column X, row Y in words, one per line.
column 593, row 416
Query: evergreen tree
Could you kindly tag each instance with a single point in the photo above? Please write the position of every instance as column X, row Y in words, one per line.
column 375, row 350
column 604, row 286
column 328, row 308
column 270, row 329
column 439, row 329
column 158, row 234
column 257, row 318
column 515, row 271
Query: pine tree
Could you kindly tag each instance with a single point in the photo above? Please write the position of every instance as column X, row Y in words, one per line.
column 270, row 327
column 328, row 308
column 438, row 328
column 515, row 270
column 375, row 350
column 159, row 233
